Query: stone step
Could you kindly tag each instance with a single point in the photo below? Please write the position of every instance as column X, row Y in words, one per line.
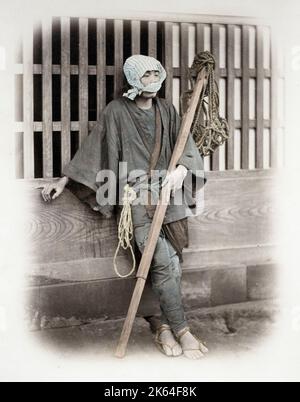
column 205, row 287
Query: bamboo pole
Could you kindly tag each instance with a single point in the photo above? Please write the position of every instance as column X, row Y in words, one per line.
column 158, row 218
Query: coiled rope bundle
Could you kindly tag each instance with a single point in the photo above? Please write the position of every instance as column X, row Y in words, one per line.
column 125, row 230
column 209, row 129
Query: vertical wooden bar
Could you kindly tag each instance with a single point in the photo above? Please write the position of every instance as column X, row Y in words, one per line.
column 135, row 37
column 168, row 47
column 245, row 98
column 118, row 77
column 152, row 39
column 19, row 155
column 259, row 153
column 83, row 80
column 101, row 66
column 274, row 100
column 216, row 53
column 28, row 104
column 184, row 57
column 65, row 91
column 230, row 94
column 47, row 99
column 200, row 38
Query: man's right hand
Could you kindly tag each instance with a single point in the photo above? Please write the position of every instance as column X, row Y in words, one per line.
column 58, row 187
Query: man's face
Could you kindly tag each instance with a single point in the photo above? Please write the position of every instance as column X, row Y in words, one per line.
column 148, row 78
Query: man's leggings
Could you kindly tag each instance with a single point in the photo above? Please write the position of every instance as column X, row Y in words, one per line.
column 166, row 276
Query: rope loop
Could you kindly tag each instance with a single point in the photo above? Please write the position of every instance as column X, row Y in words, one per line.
column 209, row 129
column 125, row 229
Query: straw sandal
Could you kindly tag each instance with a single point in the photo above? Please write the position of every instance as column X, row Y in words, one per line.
column 160, row 344
column 202, row 345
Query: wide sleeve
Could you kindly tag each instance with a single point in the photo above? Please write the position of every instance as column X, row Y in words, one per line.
column 98, row 152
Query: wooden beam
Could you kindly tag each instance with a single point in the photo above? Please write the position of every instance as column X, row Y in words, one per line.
column 230, row 95
column 184, row 17
column 135, row 37
column 19, row 155
column 92, row 70
column 184, row 57
column 57, row 125
column 216, row 53
column 259, row 152
column 28, row 104
column 245, row 98
column 168, row 47
column 152, row 39
column 47, row 99
column 101, row 66
column 274, row 100
column 65, row 91
column 118, row 72
column 83, row 79
column 200, row 38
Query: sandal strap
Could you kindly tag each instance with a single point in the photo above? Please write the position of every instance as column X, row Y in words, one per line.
column 163, row 327
column 182, row 332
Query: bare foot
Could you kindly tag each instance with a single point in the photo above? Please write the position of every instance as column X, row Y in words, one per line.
column 167, row 343
column 192, row 347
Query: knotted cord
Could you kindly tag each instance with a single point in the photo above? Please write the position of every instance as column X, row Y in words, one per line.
column 125, row 229
column 209, row 130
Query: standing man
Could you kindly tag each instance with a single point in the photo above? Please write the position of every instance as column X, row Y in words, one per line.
column 141, row 130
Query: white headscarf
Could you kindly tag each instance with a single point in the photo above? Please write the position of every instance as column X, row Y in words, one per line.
column 135, row 67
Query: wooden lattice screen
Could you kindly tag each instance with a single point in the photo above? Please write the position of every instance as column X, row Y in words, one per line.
column 68, row 69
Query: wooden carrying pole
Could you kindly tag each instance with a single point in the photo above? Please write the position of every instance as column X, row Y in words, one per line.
column 158, row 218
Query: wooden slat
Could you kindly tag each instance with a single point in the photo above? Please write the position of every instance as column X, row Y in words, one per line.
column 216, row 53
column 28, row 104
column 259, row 154
column 135, row 37
column 101, row 66
column 92, row 70
column 168, row 46
column 57, row 125
column 184, row 57
column 184, row 17
column 245, row 201
column 83, row 79
column 245, row 98
column 65, row 92
column 274, row 101
column 19, row 155
column 152, row 39
column 200, row 38
column 67, row 229
column 119, row 37
column 230, row 94
column 47, row 99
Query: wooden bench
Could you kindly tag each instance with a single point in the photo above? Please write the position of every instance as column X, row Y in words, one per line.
column 230, row 259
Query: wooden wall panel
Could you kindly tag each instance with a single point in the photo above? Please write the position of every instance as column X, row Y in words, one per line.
column 164, row 39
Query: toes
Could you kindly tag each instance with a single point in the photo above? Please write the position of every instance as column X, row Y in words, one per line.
column 193, row 355
column 167, row 351
column 203, row 348
column 177, row 351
